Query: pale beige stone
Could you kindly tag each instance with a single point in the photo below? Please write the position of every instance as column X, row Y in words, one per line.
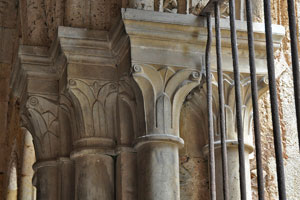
column 158, row 171
column 26, row 187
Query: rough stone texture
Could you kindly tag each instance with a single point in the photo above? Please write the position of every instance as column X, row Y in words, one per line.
column 193, row 178
column 38, row 23
column 287, row 116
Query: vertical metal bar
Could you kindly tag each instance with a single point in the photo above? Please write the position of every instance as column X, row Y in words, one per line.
column 254, row 91
column 238, row 99
column 274, row 103
column 221, row 101
column 210, row 112
column 295, row 61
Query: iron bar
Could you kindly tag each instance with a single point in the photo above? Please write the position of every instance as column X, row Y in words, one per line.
column 295, row 61
column 274, row 103
column 221, row 101
column 210, row 111
column 254, row 92
column 238, row 100
column 209, row 7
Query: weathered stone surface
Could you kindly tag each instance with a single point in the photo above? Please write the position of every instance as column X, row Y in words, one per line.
column 88, row 104
column 193, row 178
column 287, row 117
column 7, row 45
column 8, row 13
column 94, row 177
column 126, row 168
column 158, row 172
column 46, row 182
column 26, row 189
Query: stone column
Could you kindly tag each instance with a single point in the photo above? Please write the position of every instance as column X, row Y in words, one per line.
column 126, row 156
column 164, row 90
column 94, row 142
column 46, row 174
column 158, row 167
column 126, row 175
column 69, row 106
column 231, row 140
column 94, row 175
column 66, row 181
column 40, row 117
column 233, row 170
column 26, row 187
column 89, row 79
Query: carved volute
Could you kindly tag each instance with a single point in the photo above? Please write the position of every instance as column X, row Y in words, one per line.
column 42, row 115
column 164, row 89
column 197, row 102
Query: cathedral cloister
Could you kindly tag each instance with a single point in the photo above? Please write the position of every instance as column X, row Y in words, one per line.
column 108, row 100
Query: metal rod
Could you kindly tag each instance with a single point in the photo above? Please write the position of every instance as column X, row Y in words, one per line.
column 238, row 100
column 221, row 102
column 274, row 103
column 254, row 91
column 210, row 112
column 210, row 6
column 295, row 61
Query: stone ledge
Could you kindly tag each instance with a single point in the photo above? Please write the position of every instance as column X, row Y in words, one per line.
column 179, row 40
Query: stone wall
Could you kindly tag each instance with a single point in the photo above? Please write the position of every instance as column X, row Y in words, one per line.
column 194, row 184
column 287, row 116
column 11, row 140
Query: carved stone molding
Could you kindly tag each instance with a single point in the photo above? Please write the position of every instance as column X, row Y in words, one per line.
column 97, row 101
column 82, row 68
column 197, row 100
column 179, row 40
column 42, row 115
column 164, row 89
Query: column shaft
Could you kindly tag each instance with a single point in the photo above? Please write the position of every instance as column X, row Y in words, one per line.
column 233, row 172
column 94, row 177
column 66, row 170
column 158, row 171
column 126, row 179
column 47, row 181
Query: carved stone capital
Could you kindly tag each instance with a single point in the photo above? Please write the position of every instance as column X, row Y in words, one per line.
column 95, row 104
column 40, row 117
column 164, row 89
column 197, row 101
column 82, row 69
